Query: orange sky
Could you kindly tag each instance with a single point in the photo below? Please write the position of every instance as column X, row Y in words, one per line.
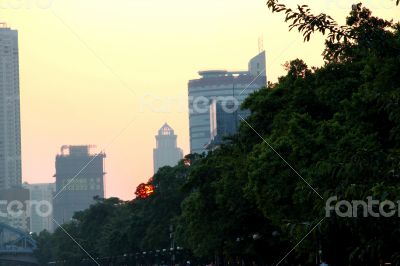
column 87, row 67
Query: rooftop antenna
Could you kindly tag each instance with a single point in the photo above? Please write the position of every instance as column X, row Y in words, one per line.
column 260, row 44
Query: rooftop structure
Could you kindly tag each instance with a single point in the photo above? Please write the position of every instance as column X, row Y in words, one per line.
column 166, row 152
column 228, row 87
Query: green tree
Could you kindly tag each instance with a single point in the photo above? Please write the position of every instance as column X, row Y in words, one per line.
column 338, row 127
column 218, row 219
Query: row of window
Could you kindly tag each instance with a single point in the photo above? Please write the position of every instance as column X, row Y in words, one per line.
column 82, row 183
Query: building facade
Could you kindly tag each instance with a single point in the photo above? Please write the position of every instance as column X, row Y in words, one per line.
column 10, row 125
column 79, row 179
column 41, row 209
column 226, row 88
column 14, row 208
column 223, row 122
column 166, row 152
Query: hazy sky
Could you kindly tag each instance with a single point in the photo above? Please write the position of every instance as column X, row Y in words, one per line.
column 88, row 67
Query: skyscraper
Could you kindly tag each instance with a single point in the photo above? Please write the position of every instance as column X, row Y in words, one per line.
column 233, row 86
column 166, row 152
column 10, row 125
column 79, row 178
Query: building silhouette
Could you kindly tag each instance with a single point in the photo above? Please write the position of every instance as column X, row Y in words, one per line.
column 166, row 152
column 10, row 125
column 17, row 200
column 227, row 89
column 79, row 178
column 41, row 195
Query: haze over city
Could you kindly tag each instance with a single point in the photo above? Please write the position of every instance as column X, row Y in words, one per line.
column 87, row 66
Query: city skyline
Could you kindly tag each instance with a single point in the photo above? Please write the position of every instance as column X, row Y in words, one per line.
column 63, row 102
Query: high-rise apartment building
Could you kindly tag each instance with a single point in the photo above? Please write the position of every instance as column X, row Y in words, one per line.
column 10, row 125
column 226, row 89
column 166, row 152
column 79, row 178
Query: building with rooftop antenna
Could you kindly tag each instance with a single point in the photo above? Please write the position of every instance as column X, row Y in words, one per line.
column 213, row 99
column 166, row 152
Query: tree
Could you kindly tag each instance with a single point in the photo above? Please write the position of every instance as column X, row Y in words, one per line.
column 338, row 127
column 219, row 219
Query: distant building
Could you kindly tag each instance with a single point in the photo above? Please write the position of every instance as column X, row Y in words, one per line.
column 10, row 125
column 14, row 207
column 42, row 196
column 227, row 87
column 166, row 152
column 79, row 178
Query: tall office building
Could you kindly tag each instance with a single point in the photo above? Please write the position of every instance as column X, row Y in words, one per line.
column 166, row 152
column 10, row 125
column 225, row 88
column 79, row 178
column 41, row 212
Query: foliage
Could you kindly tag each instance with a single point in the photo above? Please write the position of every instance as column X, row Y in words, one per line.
column 338, row 126
column 111, row 228
column 218, row 219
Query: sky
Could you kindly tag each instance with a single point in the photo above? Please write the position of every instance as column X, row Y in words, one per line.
column 112, row 72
